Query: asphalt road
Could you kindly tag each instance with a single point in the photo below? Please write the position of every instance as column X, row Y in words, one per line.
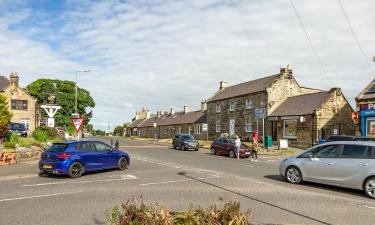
column 176, row 179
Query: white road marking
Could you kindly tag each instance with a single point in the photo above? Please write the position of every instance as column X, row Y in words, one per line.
column 182, row 180
column 14, row 177
column 39, row 196
column 121, row 178
column 369, row 207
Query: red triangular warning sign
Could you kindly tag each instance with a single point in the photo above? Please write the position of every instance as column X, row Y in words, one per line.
column 77, row 123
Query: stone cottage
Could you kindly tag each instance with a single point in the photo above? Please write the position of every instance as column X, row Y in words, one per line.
column 21, row 104
column 245, row 108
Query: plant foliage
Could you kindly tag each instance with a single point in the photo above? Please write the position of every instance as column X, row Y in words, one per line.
column 5, row 115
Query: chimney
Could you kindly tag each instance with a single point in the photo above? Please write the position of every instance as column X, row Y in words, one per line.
column 287, row 70
column 148, row 115
column 14, row 81
column 336, row 91
column 203, row 105
column 223, row 84
column 172, row 111
column 186, row 109
column 158, row 114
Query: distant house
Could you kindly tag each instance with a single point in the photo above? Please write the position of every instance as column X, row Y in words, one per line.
column 238, row 110
column 366, row 105
column 21, row 104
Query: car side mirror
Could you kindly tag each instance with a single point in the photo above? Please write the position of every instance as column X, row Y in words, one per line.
column 312, row 157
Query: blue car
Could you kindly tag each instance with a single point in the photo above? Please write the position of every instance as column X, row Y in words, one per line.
column 77, row 157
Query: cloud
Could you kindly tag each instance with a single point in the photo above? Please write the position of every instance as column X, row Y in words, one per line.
column 163, row 54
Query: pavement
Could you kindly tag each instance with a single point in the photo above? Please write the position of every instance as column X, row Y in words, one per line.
column 176, row 179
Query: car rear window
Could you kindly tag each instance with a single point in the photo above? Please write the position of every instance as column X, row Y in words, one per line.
column 356, row 152
column 57, row 148
column 187, row 137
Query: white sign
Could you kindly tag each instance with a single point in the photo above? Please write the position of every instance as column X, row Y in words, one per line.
column 335, row 131
column 51, row 122
column 260, row 113
column 283, row 143
column 154, row 124
column 51, row 110
column 204, row 127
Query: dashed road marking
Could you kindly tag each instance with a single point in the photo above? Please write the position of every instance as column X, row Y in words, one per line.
column 15, row 177
column 39, row 196
column 181, row 180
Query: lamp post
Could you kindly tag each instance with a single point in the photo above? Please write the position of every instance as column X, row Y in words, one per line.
column 78, row 71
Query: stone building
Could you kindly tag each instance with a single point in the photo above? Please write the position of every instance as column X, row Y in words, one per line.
column 238, row 109
column 167, row 124
column 21, row 104
column 366, row 109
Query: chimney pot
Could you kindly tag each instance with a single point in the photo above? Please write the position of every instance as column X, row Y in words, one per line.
column 186, row 109
column 203, row 105
column 223, row 84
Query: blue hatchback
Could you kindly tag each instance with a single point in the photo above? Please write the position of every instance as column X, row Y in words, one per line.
column 77, row 157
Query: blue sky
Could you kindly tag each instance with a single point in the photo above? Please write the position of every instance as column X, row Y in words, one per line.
column 162, row 54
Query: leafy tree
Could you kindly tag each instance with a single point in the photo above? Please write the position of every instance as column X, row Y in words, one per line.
column 118, row 131
column 5, row 115
column 99, row 132
column 65, row 92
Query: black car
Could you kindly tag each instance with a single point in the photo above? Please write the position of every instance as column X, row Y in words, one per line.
column 185, row 142
column 18, row 128
column 348, row 138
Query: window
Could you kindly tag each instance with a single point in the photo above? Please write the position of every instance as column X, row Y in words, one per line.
column 248, row 125
column 328, row 151
column 26, row 122
column 218, row 108
column 18, row 104
column 165, row 130
column 232, row 106
column 86, row 146
column 290, row 128
column 218, row 126
column 142, row 132
column 190, row 130
column 198, row 129
column 58, row 148
column 249, row 103
column 370, row 127
column 179, row 130
column 356, row 152
column 101, row 147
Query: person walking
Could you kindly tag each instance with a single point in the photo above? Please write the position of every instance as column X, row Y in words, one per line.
column 117, row 145
column 254, row 151
column 237, row 144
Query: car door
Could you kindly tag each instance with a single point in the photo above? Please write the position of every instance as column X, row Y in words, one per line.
column 353, row 165
column 226, row 147
column 218, row 145
column 106, row 156
column 87, row 153
column 318, row 167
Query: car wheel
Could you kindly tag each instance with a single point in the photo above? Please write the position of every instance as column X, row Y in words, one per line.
column 196, row 149
column 122, row 163
column 213, row 151
column 231, row 154
column 183, row 148
column 173, row 145
column 76, row 170
column 369, row 187
column 293, row 175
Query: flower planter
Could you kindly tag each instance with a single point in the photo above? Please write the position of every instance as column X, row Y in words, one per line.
column 8, row 158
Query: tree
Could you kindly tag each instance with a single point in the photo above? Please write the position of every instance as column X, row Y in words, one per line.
column 5, row 115
column 118, row 131
column 65, row 92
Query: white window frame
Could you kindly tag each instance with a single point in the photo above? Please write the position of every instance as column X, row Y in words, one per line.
column 165, row 131
column 248, row 125
column 179, row 130
column 232, row 106
column 249, row 103
column 198, row 129
column 218, row 108
column 26, row 122
column 218, row 126
column 287, row 136
column 190, row 130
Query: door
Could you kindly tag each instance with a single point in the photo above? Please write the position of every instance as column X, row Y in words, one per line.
column 105, row 156
column 88, row 155
column 231, row 127
column 274, row 130
column 352, row 166
column 318, row 166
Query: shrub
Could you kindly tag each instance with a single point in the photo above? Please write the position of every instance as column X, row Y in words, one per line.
column 40, row 136
column 137, row 213
column 13, row 138
column 28, row 142
column 9, row 145
column 51, row 132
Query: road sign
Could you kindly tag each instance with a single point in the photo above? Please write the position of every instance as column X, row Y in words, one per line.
column 77, row 123
column 51, row 122
column 260, row 113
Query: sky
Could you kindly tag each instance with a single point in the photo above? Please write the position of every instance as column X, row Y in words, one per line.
column 161, row 54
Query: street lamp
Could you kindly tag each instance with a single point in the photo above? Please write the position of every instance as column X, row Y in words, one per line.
column 78, row 71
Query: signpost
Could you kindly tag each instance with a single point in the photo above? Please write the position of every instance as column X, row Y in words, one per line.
column 260, row 113
column 77, row 124
column 51, row 109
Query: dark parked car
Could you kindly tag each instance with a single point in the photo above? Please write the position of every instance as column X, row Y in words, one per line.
column 185, row 142
column 18, row 128
column 364, row 138
column 77, row 157
column 348, row 138
column 223, row 146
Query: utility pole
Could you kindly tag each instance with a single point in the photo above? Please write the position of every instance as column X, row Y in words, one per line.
column 76, row 114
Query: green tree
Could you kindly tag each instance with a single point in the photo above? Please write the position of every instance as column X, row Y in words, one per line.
column 118, row 131
column 65, row 92
column 5, row 115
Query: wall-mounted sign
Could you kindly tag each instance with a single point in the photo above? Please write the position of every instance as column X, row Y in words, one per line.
column 18, row 104
column 369, row 106
column 368, row 113
column 260, row 113
column 204, row 127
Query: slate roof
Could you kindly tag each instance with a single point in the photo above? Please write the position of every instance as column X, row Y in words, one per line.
column 4, row 82
column 365, row 94
column 301, row 105
column 249, row 87
column 177, row 118
column 136, row 123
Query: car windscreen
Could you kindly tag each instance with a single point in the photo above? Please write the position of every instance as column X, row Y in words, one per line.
column 17, row 126
column 57, row 148
column 187, row 137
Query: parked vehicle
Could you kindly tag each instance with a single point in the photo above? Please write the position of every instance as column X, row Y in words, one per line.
column 77, row 157
column 224, row 146
column 364, row 139
column 185, row 142
column 339, row 138
column 18, row 128
column 348, row 164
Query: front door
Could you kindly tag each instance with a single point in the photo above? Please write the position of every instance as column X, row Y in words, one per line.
column 274, row 130
column 231, row 127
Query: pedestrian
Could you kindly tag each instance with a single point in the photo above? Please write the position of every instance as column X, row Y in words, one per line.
column 111, row 142
column 254, row 151
column 237, row 144
column 117, row 145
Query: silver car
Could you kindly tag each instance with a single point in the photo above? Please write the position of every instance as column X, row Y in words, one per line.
column 348, row 164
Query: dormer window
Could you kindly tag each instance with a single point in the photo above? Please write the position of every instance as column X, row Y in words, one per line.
column 232, row 106
column 249, row 103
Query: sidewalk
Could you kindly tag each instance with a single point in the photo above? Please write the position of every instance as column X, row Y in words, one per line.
column 19, row 170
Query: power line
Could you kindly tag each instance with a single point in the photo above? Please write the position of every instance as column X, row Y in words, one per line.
column 310, row 42
column 355, row 36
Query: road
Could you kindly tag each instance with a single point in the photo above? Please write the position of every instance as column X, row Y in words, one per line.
column 176, row 179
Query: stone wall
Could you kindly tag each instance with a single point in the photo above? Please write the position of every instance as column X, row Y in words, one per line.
column 169, row 131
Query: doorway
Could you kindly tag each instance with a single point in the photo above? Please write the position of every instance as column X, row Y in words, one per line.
column 274, row 130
